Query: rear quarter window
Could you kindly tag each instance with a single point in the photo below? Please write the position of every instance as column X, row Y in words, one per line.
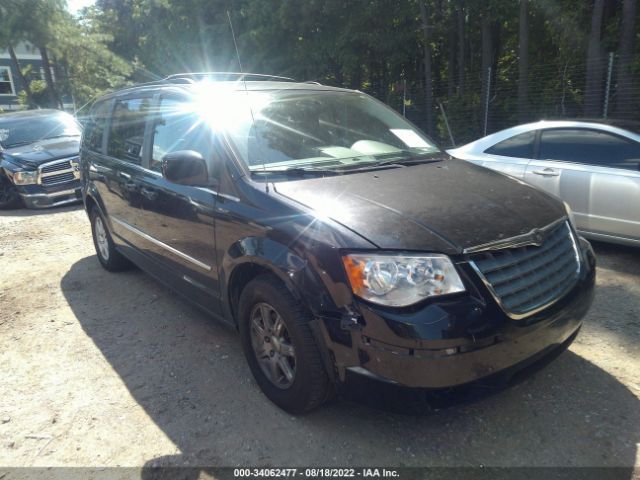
column 519, row 146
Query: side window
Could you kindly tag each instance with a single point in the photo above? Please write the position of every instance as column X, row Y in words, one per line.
column 590, row 147
column 519, row 146
column 94, row 126
column 176, row 129
column 126, row 134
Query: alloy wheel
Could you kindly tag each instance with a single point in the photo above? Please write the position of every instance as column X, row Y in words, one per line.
column 7, row 192
column 101, row 239
column 272, row 345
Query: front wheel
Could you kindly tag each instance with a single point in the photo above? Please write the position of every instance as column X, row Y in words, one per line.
column 9, row 197
column 280, row 348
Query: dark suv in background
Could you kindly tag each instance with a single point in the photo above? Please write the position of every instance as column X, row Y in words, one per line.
column 331, row 232
column 39, row 159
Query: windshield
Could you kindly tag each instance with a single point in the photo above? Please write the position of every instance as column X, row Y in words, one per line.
column 22, row 131
column 289, row 129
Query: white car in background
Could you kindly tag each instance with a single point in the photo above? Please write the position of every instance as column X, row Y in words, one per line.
column 593, row 166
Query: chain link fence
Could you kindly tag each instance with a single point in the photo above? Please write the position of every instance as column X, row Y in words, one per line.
column 462, row 111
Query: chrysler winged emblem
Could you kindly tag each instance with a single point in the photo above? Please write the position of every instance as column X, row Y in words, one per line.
column 537, row 237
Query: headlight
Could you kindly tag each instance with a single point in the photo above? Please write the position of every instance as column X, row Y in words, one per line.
column 572, row 220
column 401, row 280
column 25, row 178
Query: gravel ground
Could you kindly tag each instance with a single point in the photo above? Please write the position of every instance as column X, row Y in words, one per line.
column 104, row 369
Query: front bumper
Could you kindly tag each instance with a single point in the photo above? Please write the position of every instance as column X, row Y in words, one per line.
column 58, row 182
column 456, row 341
column 37, row 196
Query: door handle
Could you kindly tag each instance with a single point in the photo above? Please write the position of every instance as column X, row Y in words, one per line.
column 547, row 172
column 124, row 175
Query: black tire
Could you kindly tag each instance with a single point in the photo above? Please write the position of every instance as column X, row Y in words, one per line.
column 9, row 197
column 310, row 386
column 109, row 257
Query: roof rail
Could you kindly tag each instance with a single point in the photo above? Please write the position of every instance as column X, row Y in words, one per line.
column 235, row 76
column 191, row 78
column 145, row 84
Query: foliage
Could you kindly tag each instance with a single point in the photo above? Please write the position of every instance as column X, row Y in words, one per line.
column 371, row 45
column 88, row 68
column 39, row 92
column 83, row 64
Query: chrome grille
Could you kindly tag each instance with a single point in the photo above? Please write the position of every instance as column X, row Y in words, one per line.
column 60, row 187
column 56, row 166
column 60, row 178
column 57, row 172
column 528, row 278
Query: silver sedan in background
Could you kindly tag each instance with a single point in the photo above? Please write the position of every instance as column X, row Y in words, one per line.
column 593, row 166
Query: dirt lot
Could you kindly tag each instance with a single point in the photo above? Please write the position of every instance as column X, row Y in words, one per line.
column 104, row 369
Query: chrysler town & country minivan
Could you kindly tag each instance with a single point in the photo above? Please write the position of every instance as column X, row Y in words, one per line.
column 333, row 234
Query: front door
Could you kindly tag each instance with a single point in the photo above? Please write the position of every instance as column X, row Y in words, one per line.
column 178, row 219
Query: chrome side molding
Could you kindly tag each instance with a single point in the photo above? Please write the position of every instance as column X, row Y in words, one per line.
column 157, row 242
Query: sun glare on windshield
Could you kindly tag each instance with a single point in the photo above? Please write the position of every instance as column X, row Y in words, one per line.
column 222, row 106
column 285, row 128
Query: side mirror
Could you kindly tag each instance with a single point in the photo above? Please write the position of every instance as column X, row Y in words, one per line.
column 185, row 167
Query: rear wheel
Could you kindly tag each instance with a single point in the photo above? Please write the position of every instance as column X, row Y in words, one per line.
column 109, row 257
column 280, row 348
column 9, row 197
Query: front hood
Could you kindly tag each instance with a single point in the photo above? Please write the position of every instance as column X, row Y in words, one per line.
column 37, row 153
column 445, row 206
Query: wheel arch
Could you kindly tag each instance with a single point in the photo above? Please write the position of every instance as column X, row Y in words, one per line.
column 89, row 204
column 91, row 199
column 247, row 270
column 292, row 271
column 252, row 257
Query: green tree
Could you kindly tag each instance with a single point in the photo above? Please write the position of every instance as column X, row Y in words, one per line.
column 372, row 45
column 12, row 30
column 88, row 68
column 40, row 27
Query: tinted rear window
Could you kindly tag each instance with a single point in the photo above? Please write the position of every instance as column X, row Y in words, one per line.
column 520, row 146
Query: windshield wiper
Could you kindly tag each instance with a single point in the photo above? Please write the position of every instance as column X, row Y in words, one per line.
column 60, row 136
column 18, row 144
column 409, row 161
column 354, row 167
column 388, row 162
column 295, row 171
